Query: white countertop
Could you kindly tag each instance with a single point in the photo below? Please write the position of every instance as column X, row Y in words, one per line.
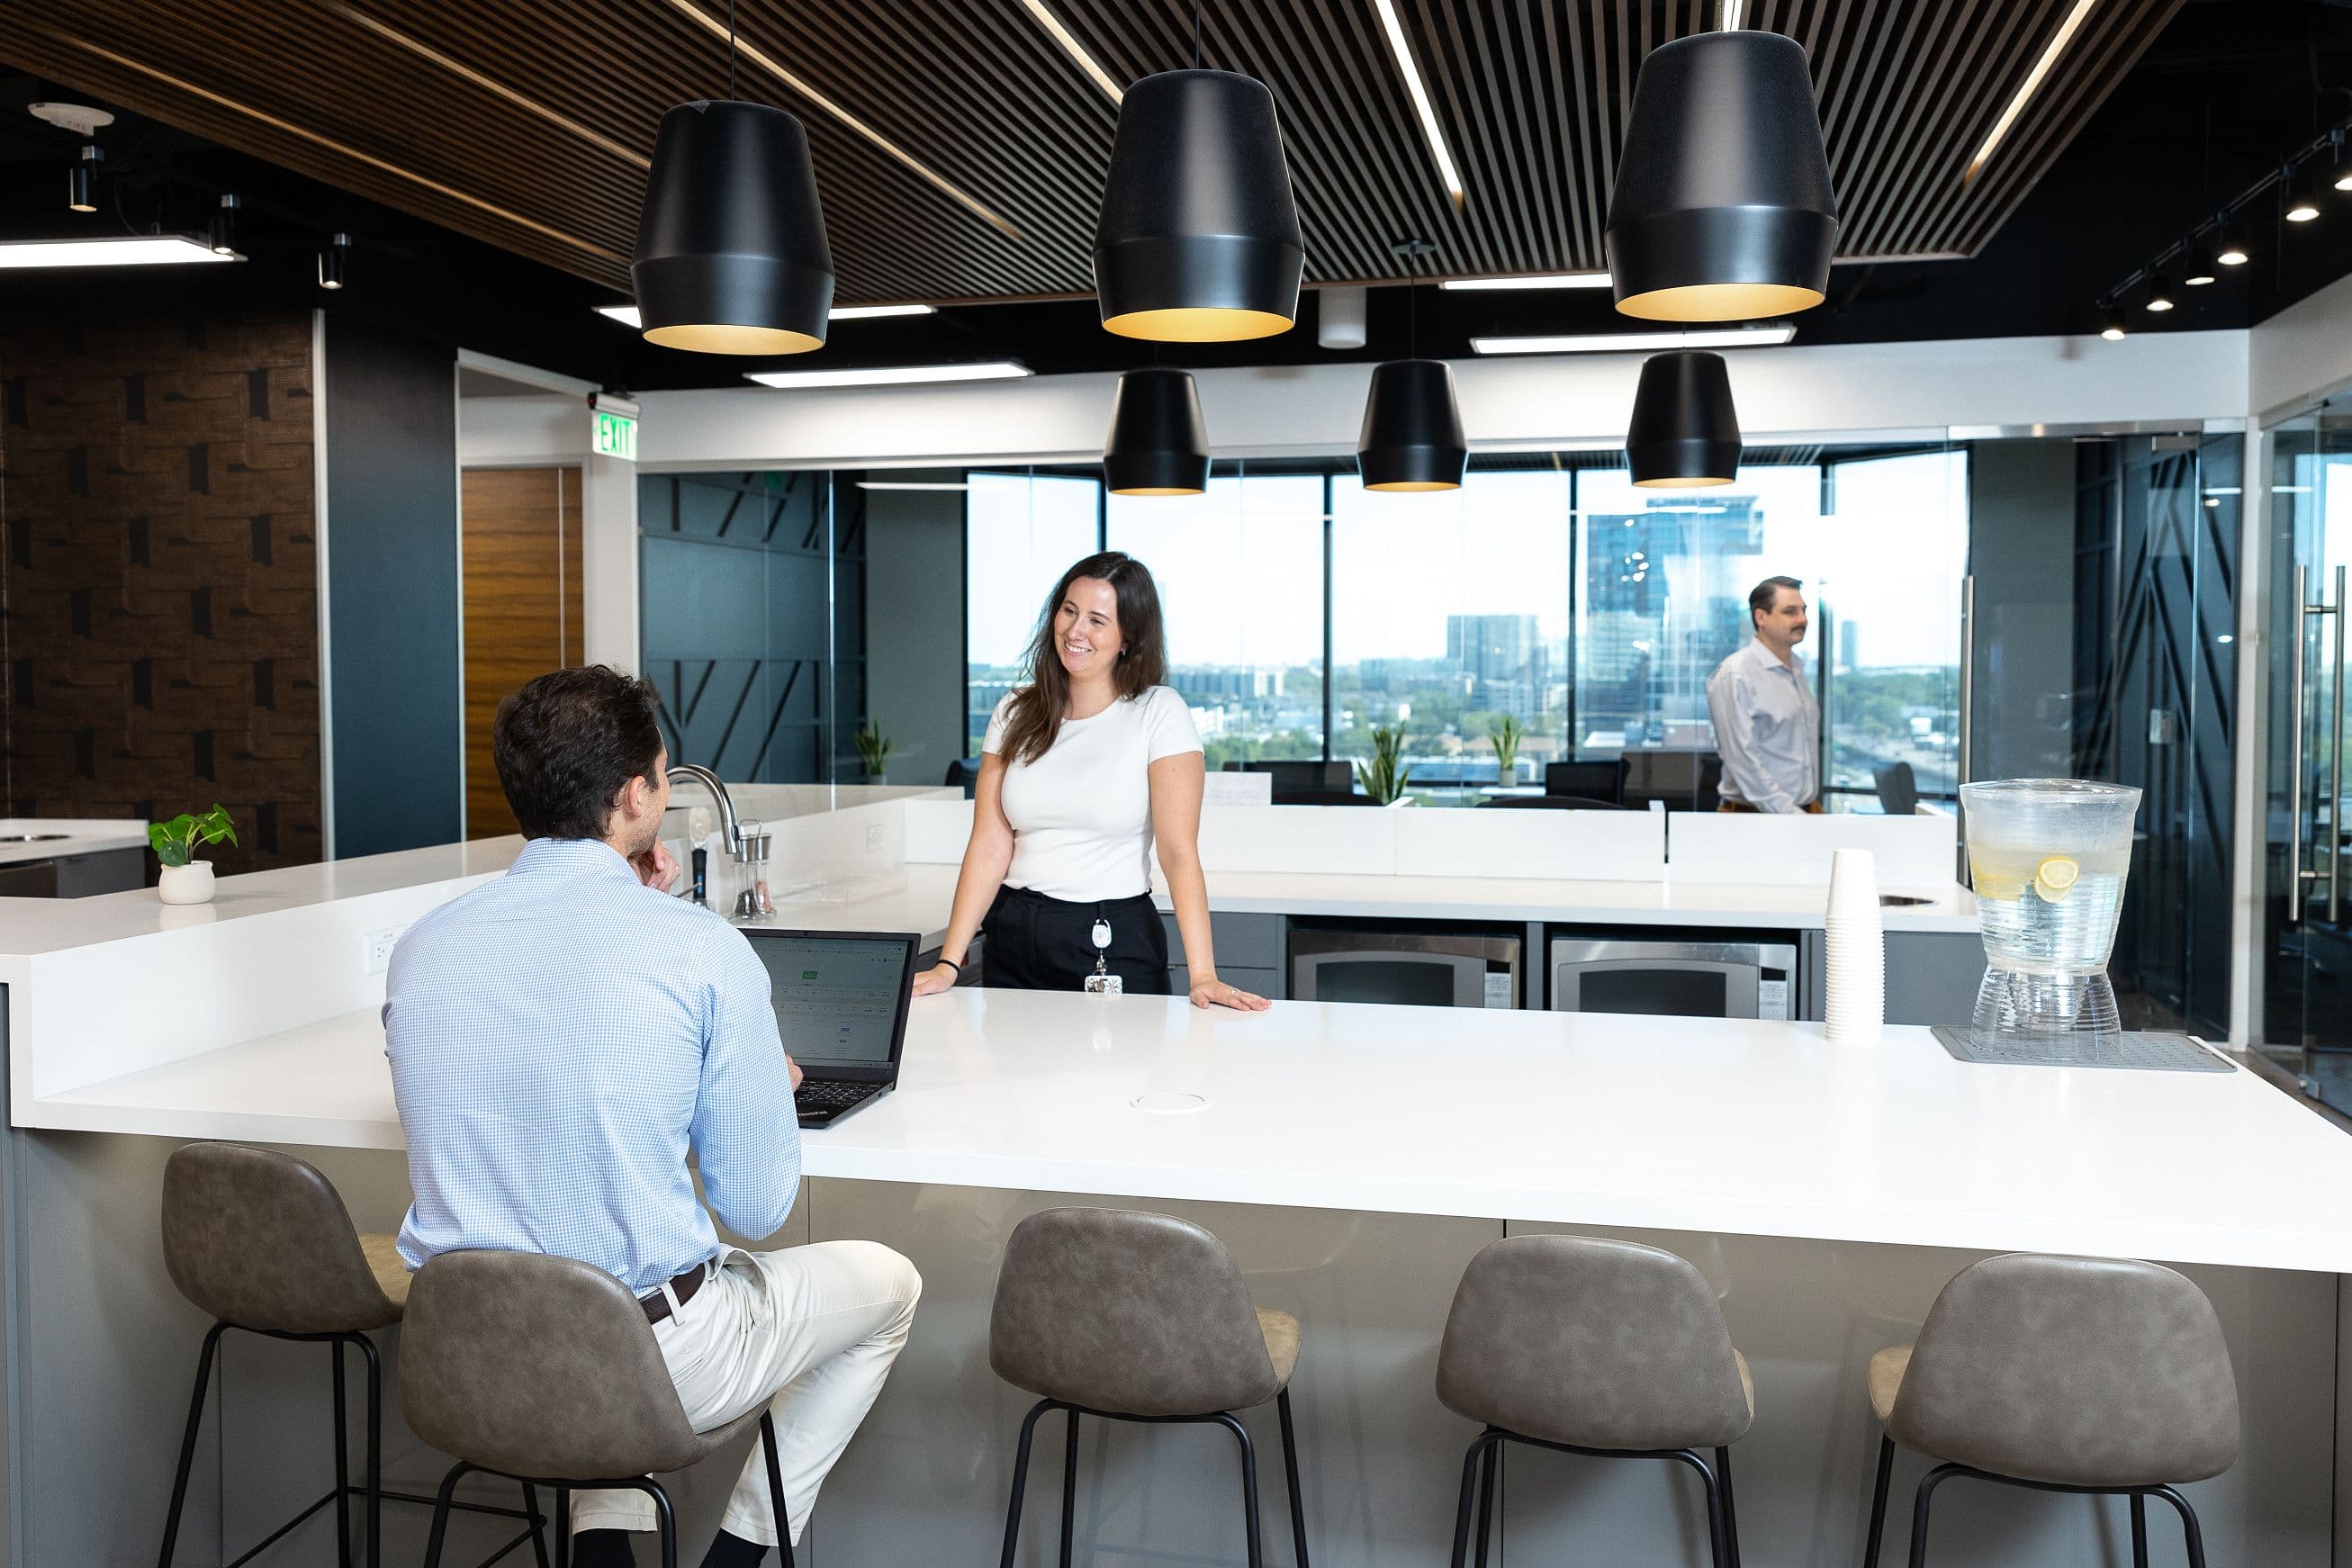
column 50, row 837
column 1699, row 1125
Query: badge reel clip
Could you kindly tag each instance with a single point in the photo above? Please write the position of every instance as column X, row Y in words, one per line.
column 1102, row 982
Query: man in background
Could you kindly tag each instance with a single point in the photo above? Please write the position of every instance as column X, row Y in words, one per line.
column 1767, row 727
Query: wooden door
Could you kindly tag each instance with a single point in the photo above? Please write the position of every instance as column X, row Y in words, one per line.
column 521, row 555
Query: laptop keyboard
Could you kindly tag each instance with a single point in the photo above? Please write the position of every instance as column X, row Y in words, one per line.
column 831, row 1095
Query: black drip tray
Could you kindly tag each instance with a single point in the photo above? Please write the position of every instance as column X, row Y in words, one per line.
column 2134, row 1051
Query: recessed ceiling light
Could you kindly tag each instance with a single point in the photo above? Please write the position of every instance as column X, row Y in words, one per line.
column 2025, row 90
column 130, row 250
column 1419, row 90
column 628, row 317
column 906, row 485
column 1546, row 280
column 1639, row 342
column 890, row 374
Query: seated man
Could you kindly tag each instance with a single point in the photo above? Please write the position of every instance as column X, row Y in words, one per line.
column 561, row 1037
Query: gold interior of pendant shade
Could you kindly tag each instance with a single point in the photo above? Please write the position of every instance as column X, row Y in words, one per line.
column 1676, row 484
column 719, row 338
column 1198, row 324
column 1169, row 490
column 1417, row 485
column 1719, row 302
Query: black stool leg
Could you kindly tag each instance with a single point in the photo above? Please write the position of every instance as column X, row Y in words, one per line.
column 1256, row 1554
column 343, row 1462
column 1717, row 1535
column 2194, row 1537
column 441, row 1513
column 374, row 1449
column 1878, row 1502
column 776, row 1490
column 1290, row 1475
column 1927, row 1485
column 1020, row 1479
column 666, row 1521
column 1069, row 1485
column 1731, row 1513
column 539, row 1524
column 188, row 1443
column 1487, row 1471
column 2139, row 1530
column 563, row 1527
column 1478, row 1448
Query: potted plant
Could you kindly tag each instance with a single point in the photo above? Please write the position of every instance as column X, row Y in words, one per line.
column 1383, row 777
column 186, row 879
column 1507, row 735
column 874, row 749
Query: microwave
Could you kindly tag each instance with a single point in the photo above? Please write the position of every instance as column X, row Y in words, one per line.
column 1406, row 968
column 1701, row 977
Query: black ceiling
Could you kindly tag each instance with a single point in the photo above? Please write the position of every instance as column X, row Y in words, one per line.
column 2224, row 88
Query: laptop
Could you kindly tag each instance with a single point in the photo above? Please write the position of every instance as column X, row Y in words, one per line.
column 841, row 1002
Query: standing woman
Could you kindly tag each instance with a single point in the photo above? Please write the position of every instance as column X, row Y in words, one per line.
column 1080, row 771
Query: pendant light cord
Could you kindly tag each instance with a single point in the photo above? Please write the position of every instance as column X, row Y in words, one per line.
column 1196, row 34
column 730, row 49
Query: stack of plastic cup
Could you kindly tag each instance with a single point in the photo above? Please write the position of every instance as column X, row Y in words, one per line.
column 1855, row 976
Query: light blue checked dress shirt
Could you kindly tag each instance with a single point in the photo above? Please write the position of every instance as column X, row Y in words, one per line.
column 558, row 1038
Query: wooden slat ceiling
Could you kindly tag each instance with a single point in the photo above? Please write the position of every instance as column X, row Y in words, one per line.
column 528, row 122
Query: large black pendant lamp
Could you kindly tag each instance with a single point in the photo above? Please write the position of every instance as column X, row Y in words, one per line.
column 1198, row 241
column 1411, row 439
column 1722, row 209
column 732, row 253
column 1685, row 432
column 1159, row 444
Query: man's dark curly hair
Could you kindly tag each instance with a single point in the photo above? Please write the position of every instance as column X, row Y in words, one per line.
column 568, row 742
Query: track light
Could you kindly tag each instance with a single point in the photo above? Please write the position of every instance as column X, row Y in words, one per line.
column 2231, row 251
column 2111, row 324
column 2199, row 270
column 2302, row 207
column 224, row 227
column 82, row 182
column 2160, row 293
column 2339, row 166
column 331, row 261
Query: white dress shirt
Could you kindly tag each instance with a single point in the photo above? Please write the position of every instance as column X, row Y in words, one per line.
column 1768, row 729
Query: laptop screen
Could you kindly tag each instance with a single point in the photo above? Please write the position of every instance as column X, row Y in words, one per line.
column 840, row 996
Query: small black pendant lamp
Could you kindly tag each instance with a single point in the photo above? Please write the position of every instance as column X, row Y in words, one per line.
column 731, row 252
column 1685, row 432
column 1159, row 444
column 1198, row 242
column 1411, row 439
column 1722, row 210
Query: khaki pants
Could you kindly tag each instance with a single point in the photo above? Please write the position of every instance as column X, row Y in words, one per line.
column 810, row 1331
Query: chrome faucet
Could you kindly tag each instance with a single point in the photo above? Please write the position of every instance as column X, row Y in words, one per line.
column 726, row 821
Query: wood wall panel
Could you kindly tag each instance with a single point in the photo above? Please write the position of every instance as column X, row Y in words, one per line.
column 161, row 576
column 522, row 607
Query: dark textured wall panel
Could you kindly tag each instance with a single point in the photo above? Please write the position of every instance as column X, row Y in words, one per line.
column 160, row 577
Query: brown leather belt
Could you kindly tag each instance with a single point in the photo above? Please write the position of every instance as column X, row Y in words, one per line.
column 1810, row 808
column 656, row 1305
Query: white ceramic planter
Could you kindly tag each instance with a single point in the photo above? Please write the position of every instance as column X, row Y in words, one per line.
column 188, row 884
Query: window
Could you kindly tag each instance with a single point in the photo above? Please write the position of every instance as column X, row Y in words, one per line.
column 1449, row 614
column 1240, row 570
column 1022, row 531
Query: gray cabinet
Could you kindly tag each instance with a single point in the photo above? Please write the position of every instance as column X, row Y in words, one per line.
column 1931, row 976
column 1249, row 952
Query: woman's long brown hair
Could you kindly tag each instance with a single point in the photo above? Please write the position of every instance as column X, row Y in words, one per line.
column 1034, row 718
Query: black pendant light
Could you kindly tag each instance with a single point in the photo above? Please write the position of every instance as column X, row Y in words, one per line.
column 1685, row 432
column 732, row 251
column 1199, row 240
column 1413, row 437
column 1159, row 444
column 1722, row 210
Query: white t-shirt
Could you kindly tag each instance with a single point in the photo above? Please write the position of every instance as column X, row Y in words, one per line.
column 1081, row 814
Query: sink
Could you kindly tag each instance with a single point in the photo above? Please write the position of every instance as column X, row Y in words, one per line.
column 32, row 838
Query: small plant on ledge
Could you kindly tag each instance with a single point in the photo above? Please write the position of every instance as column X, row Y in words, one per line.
column 874, row 749
column 1383, row 777
column 186, row 879
column 1507, row 735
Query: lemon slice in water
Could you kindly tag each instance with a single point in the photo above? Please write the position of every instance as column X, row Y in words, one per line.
column 2055, row 877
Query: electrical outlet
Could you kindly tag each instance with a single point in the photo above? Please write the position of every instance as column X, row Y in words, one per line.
column 379, row 944
column 874, row 836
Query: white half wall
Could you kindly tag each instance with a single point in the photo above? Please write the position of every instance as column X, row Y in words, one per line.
column 545, row 432
column 2182, row 379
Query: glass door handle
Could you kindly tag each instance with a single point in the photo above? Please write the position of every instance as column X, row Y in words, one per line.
column 2336, row 767
column 2298, row 688
column 2296, row 873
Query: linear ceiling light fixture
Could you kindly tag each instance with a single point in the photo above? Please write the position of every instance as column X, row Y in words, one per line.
column 1541, row 280
column 833, row 110
column 909, row 485
column 129, row 250
column 1072, row 47
column 1639, row 342
column 890, row 375
column 628, row 315
column 1422, row 107
column 2026, row 89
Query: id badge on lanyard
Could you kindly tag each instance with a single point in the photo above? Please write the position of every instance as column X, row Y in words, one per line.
column 1102, row 982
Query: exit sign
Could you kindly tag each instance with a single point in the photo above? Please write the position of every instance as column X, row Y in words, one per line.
column 617, row 436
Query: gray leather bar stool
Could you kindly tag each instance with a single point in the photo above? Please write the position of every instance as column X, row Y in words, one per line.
column 1137, row 1317
column 2064, row 1374
column 262, row 1242
column 1589, row 1346
column 544, row 1370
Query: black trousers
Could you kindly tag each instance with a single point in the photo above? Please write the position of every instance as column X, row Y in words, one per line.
column 1037, row 944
